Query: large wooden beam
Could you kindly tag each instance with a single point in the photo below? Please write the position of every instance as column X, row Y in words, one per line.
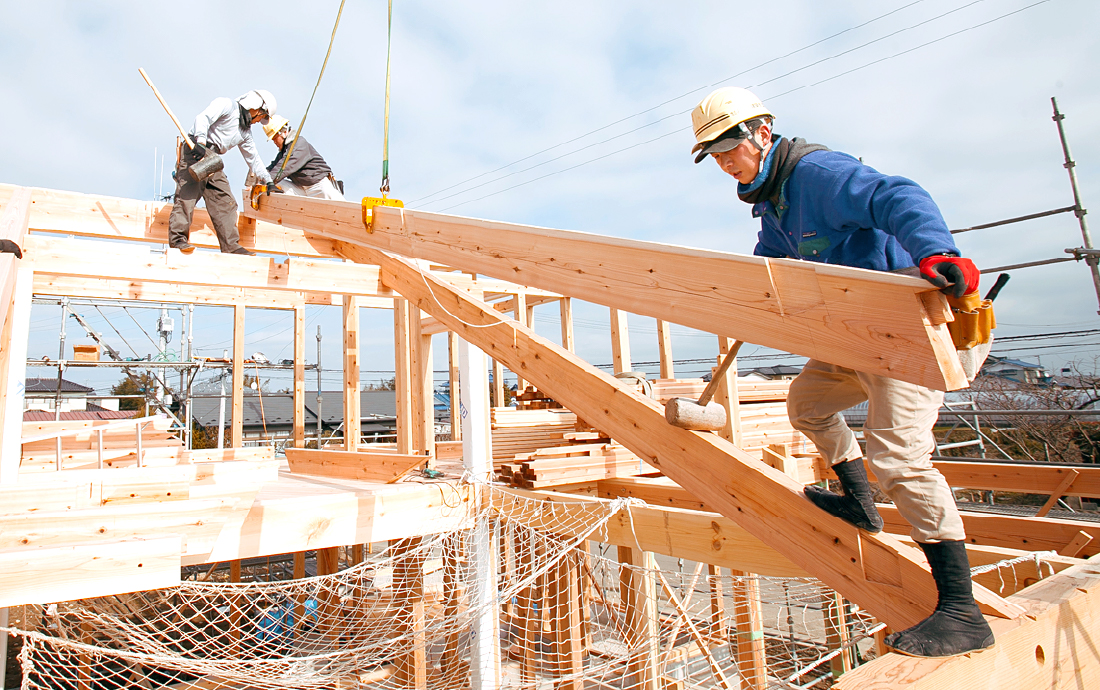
column 1003, row 531
column 1053, row 646
column 871, row 321
column 93, row 215
column 236, row 435
column 91, row 259
column 62, row 573
column 878, row 572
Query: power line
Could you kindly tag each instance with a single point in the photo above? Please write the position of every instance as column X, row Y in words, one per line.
column 664, row 103
column 770, row 98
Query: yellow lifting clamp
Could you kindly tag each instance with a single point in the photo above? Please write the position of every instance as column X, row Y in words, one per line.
column 370, row 202
column 254, row 196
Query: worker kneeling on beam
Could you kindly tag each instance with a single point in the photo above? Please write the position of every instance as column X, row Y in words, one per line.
column 820, row 205
column 306, row 173
column 223, row 125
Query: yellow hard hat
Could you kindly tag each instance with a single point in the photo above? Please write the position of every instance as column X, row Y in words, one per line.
column 722, row 110
column 275, row 125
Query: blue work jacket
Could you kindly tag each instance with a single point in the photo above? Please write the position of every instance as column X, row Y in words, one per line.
column 836, row 210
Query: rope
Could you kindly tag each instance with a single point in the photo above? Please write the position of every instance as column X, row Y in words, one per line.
column 385, row 188
column 318, row 84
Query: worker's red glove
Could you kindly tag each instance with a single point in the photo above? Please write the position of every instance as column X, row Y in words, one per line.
column 955, row 275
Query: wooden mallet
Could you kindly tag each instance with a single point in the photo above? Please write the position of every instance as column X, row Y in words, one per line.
column 702, row 415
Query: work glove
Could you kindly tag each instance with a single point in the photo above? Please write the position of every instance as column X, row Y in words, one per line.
column 11, row 248
column 954, row 275
column 272, row 189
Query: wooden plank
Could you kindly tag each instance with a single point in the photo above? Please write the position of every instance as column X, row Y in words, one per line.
column 14, row 306
column 363, row 465
column 520, row 314
column 351, row 373
column 1076, row 545
column 236, row 435
column 1062, row 488
column 62, row 573
column 877, row 572
column 148, row 291
column 95, row 259
column 411, row 667
column 866, row 320
column 1034, row 478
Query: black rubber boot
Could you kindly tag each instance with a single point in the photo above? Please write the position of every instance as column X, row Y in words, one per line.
column 957, row 626
column 857, row 504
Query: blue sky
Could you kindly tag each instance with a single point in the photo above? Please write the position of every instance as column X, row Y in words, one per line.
column 479, row 86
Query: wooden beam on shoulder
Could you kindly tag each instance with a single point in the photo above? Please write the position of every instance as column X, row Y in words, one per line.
column 879, row 573
column 882, row 323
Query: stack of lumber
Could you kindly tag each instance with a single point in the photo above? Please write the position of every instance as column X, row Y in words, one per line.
column 525, row 431
column 575, row 464
column 765, row 424
column 533, row 399
column 749, row 390
column 79, row 451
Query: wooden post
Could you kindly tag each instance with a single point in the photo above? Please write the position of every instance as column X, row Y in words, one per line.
column 236, row 434
column 450, row 661
column 498, row 384
column 638, row 591
column 567, row 645
column 408, row 592
column 403, row 355
column 838, row 633
column 718, row 632
column 664, row 344
column 525, row 614
column 300, row 377
column 13, row 368
column 300, row 598
column 236, row 615
column 519, row 310
column 328, row 604
column 566, row 306
column 424, row 391
column 352, row 412
column 620, row 341
column 453, row 376
column 748, row 616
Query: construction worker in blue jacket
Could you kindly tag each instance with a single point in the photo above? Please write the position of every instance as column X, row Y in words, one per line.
column 820, row 205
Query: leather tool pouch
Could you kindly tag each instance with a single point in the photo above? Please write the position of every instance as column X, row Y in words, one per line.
column 973, row 322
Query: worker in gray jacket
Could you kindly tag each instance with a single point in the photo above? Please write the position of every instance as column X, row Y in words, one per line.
column 223, row 125
column 305, row 173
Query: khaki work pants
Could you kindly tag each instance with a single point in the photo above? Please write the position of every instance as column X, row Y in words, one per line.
column 900, row 417
column 322, row 190
column 220, row 204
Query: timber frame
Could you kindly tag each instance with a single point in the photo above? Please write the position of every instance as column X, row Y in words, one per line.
column 479, row 281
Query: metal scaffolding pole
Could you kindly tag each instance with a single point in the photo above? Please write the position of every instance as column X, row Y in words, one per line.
column 1078, row 210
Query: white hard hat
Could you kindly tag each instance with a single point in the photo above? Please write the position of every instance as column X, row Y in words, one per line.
column 276, row 125
column 722, row 111
column 258, row 99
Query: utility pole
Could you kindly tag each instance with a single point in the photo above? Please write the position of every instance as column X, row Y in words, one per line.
column 319, row 400
column 60, row 359
column 221, row 407
column 1089, row 254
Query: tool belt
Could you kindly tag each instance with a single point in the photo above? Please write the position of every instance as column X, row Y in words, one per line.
column 973, row 322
